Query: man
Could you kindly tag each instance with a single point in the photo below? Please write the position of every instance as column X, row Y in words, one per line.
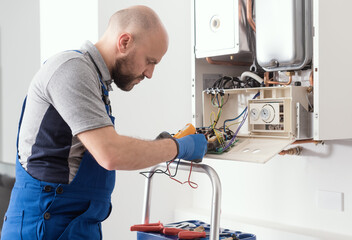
column 67, row 145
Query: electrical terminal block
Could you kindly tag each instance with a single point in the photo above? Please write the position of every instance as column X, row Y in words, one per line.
column 214, row 91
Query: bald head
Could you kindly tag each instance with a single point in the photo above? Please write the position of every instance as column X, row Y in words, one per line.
column 133, row 44
column 137, row 20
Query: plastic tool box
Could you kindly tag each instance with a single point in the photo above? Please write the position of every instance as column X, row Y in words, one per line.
column 213, row 231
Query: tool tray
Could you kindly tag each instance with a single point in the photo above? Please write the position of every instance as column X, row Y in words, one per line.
column 157, row 236
column 213, row 229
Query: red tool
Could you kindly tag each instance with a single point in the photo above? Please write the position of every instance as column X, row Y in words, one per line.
column 174, row 229
column 191, row 235
column 148, row 227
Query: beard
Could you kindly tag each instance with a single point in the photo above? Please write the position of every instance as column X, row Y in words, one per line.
column 122, row 80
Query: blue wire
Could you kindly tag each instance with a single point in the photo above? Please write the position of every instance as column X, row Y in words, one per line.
column 239, row 127
column 229, row 120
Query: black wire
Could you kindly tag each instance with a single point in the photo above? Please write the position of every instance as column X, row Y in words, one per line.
column 223, row 83
column 251, row 82
column 228, row 96
column 216, row 83
column 151, row 173
column 237, row 83
column 224, row 80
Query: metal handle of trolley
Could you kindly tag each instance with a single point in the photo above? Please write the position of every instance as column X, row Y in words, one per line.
column 216, row 194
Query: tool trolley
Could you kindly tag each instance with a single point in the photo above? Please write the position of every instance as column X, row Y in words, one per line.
column 212, row 230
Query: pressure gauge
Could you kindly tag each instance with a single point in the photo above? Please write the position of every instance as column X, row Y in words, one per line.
column 254, row 114
column 267, row 113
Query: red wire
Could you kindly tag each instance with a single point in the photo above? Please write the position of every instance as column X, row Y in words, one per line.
column 190, row 183
column 189, row 179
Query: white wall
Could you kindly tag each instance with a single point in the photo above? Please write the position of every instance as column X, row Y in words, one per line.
column 19, row 60
column 66, row 24
column 30, row 32
column 162, row 103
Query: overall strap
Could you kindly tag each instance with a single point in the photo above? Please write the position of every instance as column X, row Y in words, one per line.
column 104, row 90
column 20, row 121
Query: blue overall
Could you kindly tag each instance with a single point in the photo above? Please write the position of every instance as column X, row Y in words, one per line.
column 44, row 210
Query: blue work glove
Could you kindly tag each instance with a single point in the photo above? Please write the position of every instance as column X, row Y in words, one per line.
column 192, row 147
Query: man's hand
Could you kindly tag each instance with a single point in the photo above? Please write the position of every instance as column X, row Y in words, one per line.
column 192, row 147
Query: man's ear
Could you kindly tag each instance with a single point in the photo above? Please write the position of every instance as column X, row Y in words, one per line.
column 124, row 42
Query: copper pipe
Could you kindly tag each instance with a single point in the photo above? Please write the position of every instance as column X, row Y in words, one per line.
column 297, row 150
column 227, row 63
column 292, row 151
column 307, row 141
column 249, row 15
column 240, row 10
column 267, row 81
column 310, row 88
column 311, row 79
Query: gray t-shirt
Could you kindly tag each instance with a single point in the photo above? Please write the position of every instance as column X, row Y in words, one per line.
column 64, row 99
